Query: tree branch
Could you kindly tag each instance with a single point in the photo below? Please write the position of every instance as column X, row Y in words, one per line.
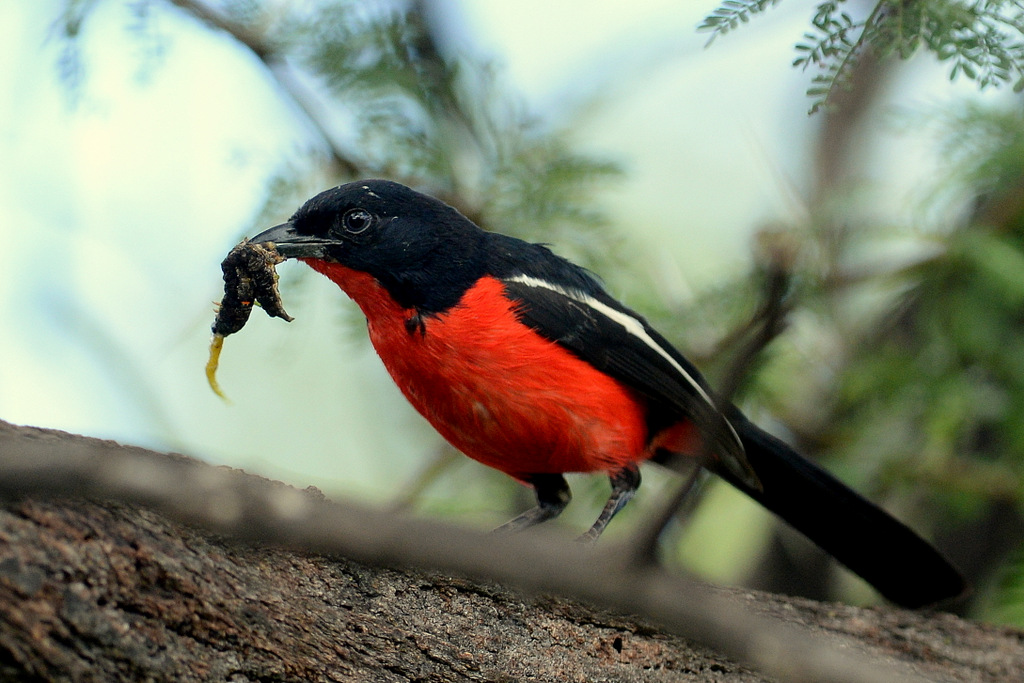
column 281, row 72
column 50, row 464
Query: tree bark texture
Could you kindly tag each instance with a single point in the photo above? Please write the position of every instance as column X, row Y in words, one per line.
column 108, row 591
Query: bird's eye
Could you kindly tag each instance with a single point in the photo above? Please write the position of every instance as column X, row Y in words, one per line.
column 356, row 221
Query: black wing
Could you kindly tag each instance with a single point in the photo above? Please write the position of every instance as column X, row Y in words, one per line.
column 620, row 343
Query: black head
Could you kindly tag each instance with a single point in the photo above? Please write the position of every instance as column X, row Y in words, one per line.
column 368, row 220
column 422, row 250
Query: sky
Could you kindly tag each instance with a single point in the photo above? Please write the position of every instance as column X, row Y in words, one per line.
column 116, row 212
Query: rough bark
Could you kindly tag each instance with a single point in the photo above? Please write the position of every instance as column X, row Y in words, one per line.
column 102, row 590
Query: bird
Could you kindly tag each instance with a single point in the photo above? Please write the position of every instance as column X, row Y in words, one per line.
column 524, row 362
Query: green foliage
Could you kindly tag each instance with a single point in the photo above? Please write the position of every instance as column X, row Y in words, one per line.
column 909, row 378
column 981, row 145
column 731, row 14
column 1008, row 606
column 831, row 47
column 933, row 396
column 946, row 367
column 935, row 393
column 983, row 40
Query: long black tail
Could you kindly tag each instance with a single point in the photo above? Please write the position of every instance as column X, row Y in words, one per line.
column 873, row 544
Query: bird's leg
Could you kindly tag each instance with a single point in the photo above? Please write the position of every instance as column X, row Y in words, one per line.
column 553, row 495
column 625, row 482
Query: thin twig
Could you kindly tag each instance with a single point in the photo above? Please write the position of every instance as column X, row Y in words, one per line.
column 644, row 544
column 439, row 463
column 267, row 53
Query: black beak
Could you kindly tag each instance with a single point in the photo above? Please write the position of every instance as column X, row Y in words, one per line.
column 290, row 244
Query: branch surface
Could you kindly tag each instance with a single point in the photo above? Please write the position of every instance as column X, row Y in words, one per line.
column 133, row 558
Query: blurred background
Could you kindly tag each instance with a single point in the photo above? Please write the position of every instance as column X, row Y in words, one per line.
column 141, row 139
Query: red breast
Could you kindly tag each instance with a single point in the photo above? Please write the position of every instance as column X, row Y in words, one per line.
column 494, row 388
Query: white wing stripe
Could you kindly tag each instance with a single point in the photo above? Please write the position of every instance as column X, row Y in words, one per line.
column 632, row 325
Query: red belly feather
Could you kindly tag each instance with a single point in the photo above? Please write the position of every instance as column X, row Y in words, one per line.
column 497, row 390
